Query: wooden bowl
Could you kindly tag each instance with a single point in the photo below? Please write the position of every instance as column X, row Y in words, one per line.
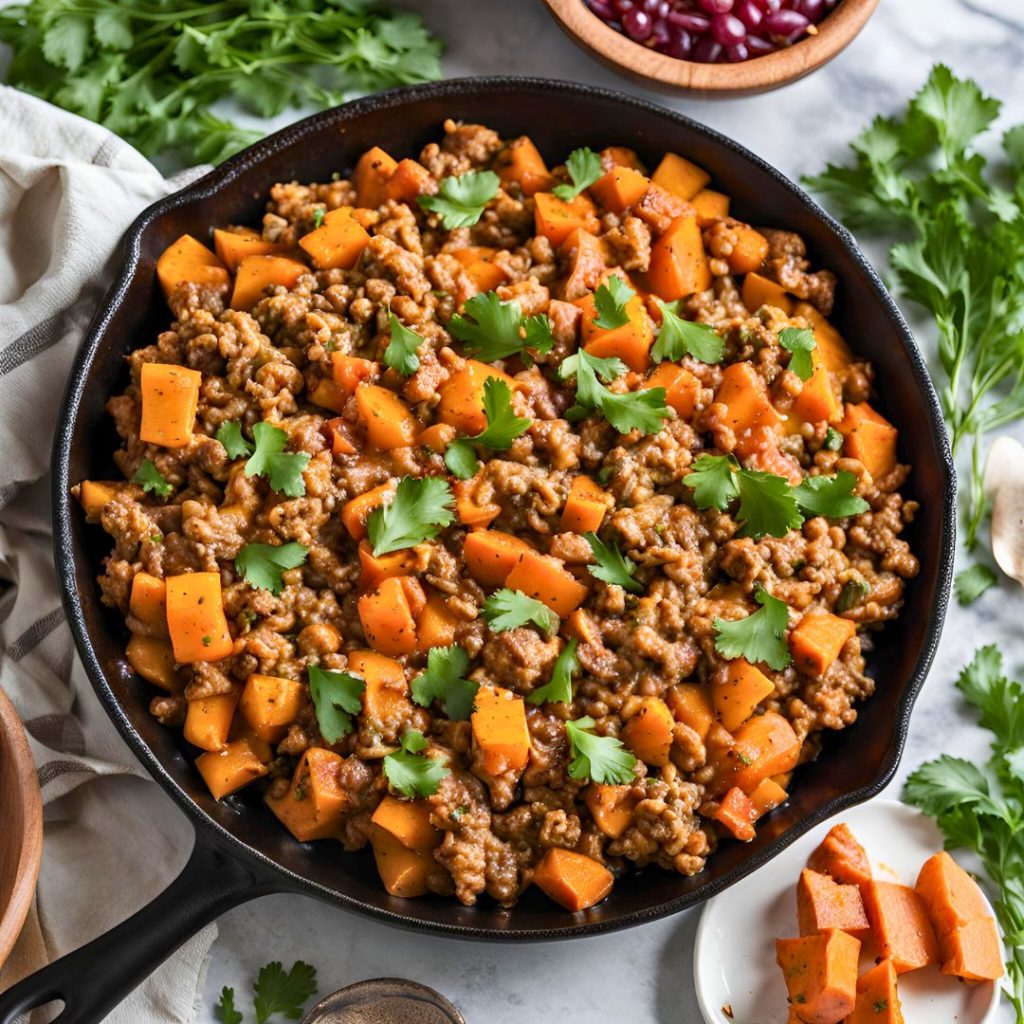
column 21, row 826
column 619, row 52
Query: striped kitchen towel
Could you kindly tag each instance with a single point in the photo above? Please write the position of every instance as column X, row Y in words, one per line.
column 113, row 839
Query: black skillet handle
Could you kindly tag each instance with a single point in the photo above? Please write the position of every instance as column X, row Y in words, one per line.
column 94, row 979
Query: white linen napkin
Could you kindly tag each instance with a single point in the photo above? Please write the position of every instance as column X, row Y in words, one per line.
column 112, row 838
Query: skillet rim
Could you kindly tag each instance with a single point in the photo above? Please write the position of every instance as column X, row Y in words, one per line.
column 221, row 178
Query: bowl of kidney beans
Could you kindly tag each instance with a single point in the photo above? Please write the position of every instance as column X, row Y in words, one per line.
column 730, row 46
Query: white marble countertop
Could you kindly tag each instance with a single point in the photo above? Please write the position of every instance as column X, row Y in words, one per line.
column 644, row 975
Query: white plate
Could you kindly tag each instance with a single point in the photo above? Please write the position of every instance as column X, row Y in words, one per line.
column 734, row 960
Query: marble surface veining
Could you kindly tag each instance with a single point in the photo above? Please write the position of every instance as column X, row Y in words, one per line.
column 644, row 976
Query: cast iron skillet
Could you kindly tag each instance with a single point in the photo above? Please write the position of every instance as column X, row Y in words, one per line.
column 241, row 851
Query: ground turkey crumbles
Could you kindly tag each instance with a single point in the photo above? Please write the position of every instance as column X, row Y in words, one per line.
column 529, row 525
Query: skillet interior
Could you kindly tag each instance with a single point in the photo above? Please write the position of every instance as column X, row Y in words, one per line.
column 855, row 763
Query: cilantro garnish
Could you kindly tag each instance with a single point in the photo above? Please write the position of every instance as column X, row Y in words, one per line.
column 401, row 352
column 799, row 342
column 558, row 689
column 420, row 509
column 830, row 496
column 494, row 330
column 409, row 771
column 336, row 698
column 284, row 992
column 633, row 410
column 503, row 427
column 261, row 565
column 759, row 636
column 283, row 469
column 224, row 1010
column 509, row 609
column 833, row 440
column 318, row 217
column 610, row 303
column 601, row 759
column 612, row 565
column 230, row 435
column 980, row 807
column 461, row 200
column 584, row 167
column 853, row 593
column 678, row 338
column 152, row 480
column 444, row 681
column 972, row 582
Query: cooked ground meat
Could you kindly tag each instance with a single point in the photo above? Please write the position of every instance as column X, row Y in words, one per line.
column 372, row 686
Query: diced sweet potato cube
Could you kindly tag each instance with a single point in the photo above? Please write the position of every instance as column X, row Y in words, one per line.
column 195, row 617
column 736, row 813
column 682, row 388
column 153, row 659
column 767, row 795
column 408, row 821
column 462, row 396
column 188, row 261
column 744, row 688
column 691, row 705
column 170, row 398
column 973, row 952
column 409, row 180
column 371, row 177
column 680, row 176
column 611, row 807
column 556, row 219
column 387, row 619
column 256, row 274
column 386, row 697
column 710, row 206
column 869, row 438
column 760, row 291
column 499, row 729
column 208, row 720
column 764, row 746
column 521, row 162
column 834, row 351
column 749, row 251
column 817, row 400
column 491, row 555
column 900, row 925
column 572, row 879
column 404, row 872
column 619, row 188
column 148, row 602
column 270, row 704
column 234, row 244
column 821, row 975
column 877, row 999
column 951, row 896
column 842, row 857
column 312, row 806
column 631, row 342
column 648, row 733
column 338, row 242
column 546, row 579
column 229, row 769
column 585, row 507
column 435, row 624
column 388, row 421
column 818, row 639
column 743, row 393
column 479, row 263
column 379, row 567
column 822, row 903
column 358, row 509
column 620, row 156
column 679, row 265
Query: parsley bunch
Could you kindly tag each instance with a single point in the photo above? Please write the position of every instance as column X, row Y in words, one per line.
column 152, row 70
column 961, row 248
column 981, row 807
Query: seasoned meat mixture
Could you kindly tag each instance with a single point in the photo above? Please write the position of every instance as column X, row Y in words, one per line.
column 527, row 525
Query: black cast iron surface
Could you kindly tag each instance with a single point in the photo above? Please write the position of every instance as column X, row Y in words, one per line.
column 238, row 841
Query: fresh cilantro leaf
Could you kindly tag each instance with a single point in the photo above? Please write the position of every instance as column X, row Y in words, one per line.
column 610, row 303
column 152, row 480
column 261, row 565
column 284, row 992
column 461, row 200
column 584, row 167
column 494, row 330
column 972, row 582
column 632, row 410
column 768, row 505
column 509, row 609
column 503, row 426
column 336, row 698
column 949, row 784
column 461, row 460
column 759, row 636
column 224, row 1011
column 612, row 565
column 601, row 759
column 230, row 435
column 678, row 338
column 833, row 440
column 445, row 682
column 800, row 343
column 283, row 469
column 852, row 594
column 409, row 771
column 420, row 509
column 713, row 480
column 558, row 689
column 318, row 217
column 401, row 352
column 830, row 496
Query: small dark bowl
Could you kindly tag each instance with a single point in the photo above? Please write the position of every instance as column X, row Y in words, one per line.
column 252, row 853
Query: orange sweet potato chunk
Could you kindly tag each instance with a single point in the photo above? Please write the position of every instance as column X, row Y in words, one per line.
column 682, row 388
column 546, row 579
column 679, row 264
column 760, row 291
column 842, row 857
column 900, row 925
column 818, row 639
column 236, row 765
column 572, row 879
column 408, row 821
column 490, row 555
column 387, row 619
column 611, row 807
column 556, row 219
column 710, row 206
column 870, row 438
column 648, row 733
column 462, row 396
column 404, row 872
column 585, row 507
column 680, row 176
column 820, row 972
column 950, row 895
column 619, row 188
column 744, row 688
column 372, row 174
column 522, row 163
column 338, row 242
column 973, row 952
column 878, row 1001
column 736, row 813
column 500, row 733
column 312, row 806
column 691, row 705
column 631, row 342
column 822, row 903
